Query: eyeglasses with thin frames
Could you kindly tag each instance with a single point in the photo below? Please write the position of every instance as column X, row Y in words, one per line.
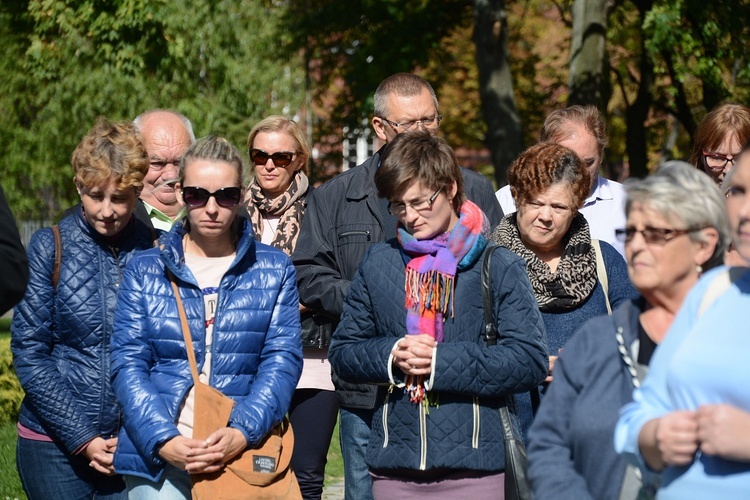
column 398, row 209
column 653, row 235
column 717, row 161
column 430, row 123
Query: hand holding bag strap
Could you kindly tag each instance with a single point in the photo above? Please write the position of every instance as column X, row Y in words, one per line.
column 517, row 485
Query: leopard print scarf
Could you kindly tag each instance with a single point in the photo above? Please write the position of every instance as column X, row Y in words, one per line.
column 575, row 278
column 290, row 206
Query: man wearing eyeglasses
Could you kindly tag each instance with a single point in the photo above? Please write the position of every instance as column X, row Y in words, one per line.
column 344, row 218
column 166, row 135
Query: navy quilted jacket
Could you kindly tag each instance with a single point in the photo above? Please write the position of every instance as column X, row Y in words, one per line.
column 463, row 431
column 61, row 338
column 257, row 352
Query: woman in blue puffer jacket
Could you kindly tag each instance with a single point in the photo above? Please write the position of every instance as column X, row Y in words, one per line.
column 241, row 303
column 62, row 328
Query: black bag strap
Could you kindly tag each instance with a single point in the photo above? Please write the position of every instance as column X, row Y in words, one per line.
column 490, row 330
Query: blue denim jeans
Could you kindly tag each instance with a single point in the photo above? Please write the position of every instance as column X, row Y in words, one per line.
column 49, row 472
column 173, row 485
column 354, row 433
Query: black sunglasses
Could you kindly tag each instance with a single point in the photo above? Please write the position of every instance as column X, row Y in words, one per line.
column 280, row 159
column 196, row 197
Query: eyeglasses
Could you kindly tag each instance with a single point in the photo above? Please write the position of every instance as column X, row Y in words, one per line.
column 717, row 161
column 196, row 197
column 399, row 209
column 161, row 164
column 653, row 235
column 280, row 159
column 431, row 122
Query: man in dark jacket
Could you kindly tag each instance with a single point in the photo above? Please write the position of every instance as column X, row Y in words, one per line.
column 14, row 267
column 344, row 218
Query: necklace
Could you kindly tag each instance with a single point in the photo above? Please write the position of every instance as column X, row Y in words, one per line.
column 269, row 225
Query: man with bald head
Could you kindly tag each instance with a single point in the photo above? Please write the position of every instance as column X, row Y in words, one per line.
column 166, row 135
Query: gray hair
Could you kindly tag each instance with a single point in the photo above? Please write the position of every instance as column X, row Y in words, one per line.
column 138, row 121
column 687, row 197
column 403, row 84
column 212, row 148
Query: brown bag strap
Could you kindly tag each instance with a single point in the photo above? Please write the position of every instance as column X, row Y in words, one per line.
column 58, row 256
column 185, row 329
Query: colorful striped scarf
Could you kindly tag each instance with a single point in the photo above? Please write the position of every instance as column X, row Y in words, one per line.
column 431, row 273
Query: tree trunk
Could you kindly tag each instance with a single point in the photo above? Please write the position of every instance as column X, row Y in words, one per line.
column 504, row 136
column 589, row 75
column 637, row 113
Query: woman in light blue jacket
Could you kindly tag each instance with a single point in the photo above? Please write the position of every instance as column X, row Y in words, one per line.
column 691, row 417
column 241, row 303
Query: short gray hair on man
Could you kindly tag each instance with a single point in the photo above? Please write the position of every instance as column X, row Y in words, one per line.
column 688, row 198
column 188, row 126
column 403, row 84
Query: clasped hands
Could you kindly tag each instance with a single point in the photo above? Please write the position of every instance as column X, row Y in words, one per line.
column 204, row 456
column 722, row 430
column 413, row 354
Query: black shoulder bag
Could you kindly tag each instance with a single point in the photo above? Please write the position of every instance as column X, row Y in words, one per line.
column 517, row 485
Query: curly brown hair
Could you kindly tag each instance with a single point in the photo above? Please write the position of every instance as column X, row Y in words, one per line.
column 543, row 165
column 110, row 150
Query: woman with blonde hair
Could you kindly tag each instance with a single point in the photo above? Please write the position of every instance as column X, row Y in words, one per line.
column 276, row 200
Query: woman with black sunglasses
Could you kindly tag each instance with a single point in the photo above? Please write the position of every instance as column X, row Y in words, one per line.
column 241, row 303
column 276, row 201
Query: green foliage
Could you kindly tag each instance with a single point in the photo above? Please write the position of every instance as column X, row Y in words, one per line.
column 68, row 62
column 11, row 393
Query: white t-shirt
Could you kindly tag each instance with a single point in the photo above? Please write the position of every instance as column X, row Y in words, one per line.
column 208, row 272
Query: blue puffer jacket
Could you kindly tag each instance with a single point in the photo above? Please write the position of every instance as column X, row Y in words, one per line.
column 61, row 338
column 470, row 379
column 257, row 352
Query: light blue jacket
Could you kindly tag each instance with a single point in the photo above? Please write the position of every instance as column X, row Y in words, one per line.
column 702, row 361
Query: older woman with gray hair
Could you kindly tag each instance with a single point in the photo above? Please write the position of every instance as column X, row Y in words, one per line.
column 676, row 229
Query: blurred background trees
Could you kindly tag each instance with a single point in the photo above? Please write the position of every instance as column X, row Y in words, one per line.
column 654, row 67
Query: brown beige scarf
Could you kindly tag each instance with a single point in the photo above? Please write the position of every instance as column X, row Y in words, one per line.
column 575, row 278
column 290, row 207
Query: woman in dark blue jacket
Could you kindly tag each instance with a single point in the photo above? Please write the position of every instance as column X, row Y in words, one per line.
column 62, row 328
column 413, row 323
column 241, row 303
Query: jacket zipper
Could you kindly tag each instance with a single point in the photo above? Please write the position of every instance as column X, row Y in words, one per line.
column 475, row 433
column 354, row 233
column 422, row 437
column 385, row 416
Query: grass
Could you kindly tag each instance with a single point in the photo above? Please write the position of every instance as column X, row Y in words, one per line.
column 10, row 484
column 335, row 465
